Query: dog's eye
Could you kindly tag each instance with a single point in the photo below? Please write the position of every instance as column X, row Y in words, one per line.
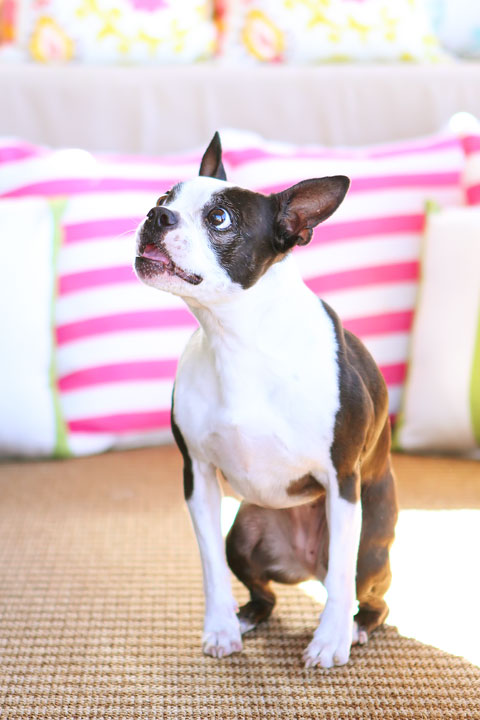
column 162, row 199
column 219, row 218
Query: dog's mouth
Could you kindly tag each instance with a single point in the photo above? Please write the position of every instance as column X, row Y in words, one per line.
column 153, row 259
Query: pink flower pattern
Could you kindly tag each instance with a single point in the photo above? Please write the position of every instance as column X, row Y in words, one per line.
column 149, row 5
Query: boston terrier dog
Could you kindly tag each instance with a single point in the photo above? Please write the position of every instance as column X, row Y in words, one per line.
column 275, row 396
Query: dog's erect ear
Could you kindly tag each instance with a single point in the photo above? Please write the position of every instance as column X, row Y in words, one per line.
column 304, row 206
column 211, row 165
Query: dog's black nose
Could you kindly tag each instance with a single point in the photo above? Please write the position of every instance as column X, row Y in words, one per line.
column 161, row 217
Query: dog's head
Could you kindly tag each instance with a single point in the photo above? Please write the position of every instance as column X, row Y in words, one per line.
column 207, row 239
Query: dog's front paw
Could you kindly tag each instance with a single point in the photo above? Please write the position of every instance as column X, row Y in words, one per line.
column 222, row 637
column 331, row 641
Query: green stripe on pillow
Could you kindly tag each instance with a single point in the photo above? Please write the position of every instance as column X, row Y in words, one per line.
column 61, row 448
column 475, row 385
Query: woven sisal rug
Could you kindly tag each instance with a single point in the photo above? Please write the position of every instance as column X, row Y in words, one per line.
column 101, row 611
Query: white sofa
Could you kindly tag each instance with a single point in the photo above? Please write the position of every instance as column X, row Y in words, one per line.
column 170, row 108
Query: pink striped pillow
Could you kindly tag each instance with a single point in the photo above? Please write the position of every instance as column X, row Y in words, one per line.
column 364, row 260
column 471, row 179
column 118, row 341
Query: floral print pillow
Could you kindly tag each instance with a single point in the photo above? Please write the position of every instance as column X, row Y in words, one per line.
column 8, row 16
column 309, row 31
column 116, row 31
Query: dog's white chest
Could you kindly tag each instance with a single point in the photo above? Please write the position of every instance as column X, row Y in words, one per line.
column 264, row 420
column 258, row 454
column 265, row 444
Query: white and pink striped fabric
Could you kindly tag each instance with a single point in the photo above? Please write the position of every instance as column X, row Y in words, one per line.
column 364, row 260
column 118, row 341
column 471, row 178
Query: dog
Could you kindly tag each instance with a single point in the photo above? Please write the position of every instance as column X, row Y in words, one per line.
column 275, row 396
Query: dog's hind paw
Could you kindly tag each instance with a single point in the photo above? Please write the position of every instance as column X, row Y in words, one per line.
column 253, row 613
column 360, row 635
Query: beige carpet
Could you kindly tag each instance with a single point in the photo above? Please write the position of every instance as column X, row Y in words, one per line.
column 101, row 608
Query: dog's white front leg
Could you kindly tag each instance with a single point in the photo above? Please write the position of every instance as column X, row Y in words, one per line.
column 333, row 638
column 221, row 634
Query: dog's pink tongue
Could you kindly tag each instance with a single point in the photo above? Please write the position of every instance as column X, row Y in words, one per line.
column 152, row 252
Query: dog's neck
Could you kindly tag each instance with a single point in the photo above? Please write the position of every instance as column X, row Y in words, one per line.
column 266, row 315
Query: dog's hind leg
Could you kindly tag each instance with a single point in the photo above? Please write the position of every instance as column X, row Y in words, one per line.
column 373, row 565
column 259, row 549
column 248, row 563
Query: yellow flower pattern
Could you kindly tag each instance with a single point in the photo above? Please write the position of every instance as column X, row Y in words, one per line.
column 49, row 43
column 331, row 30
column 263, row 39
column 123, row 30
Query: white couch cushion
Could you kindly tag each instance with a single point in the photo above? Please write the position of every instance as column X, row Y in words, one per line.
column 28, row 418
column 441, row 403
